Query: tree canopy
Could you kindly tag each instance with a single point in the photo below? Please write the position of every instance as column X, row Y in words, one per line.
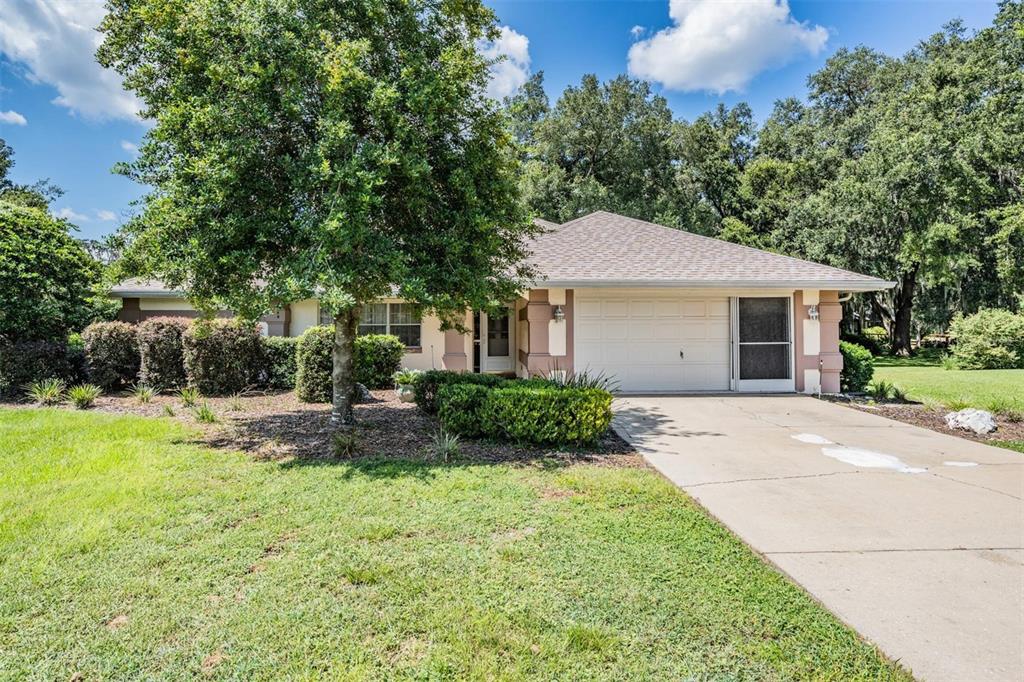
column 339, row 149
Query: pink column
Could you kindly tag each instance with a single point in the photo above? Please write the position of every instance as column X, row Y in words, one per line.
column 538, row 314
column 830, row 312
column 454, row 357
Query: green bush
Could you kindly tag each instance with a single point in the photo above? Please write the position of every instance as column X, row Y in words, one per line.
column 281, row 363
column 161, row 352
column 989, row 339
column 858, row 367
column 430, row 382
column 548, row 416
column 378, row 357
column 222, row 356
column 459, row 408
column 313, row 365
column 27, row 362
column 111, row 354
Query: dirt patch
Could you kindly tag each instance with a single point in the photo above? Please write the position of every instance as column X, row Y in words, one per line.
column 117, row 622
column 212, row 661
column 935, row 419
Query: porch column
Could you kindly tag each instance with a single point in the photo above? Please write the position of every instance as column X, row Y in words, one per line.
column 130, row 310
column 538, row 315
column 549, row 342
column 830, row 313
column 279, row 323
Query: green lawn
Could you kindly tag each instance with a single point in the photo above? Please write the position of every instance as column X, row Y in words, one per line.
column 924, row 380
column 128, row 552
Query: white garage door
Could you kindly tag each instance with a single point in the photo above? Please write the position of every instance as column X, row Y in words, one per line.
column 652, row 343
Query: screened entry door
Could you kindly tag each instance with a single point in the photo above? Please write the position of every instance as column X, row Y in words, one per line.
column 496, row 342
column 764, row 348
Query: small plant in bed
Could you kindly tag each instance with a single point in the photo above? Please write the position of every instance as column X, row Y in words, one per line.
column 46, row 392
column 405, row 384
column 345, row 444
column 204, row 413
column 83, row 396
column 444, row 445
column 189, row 396
column 143, row 394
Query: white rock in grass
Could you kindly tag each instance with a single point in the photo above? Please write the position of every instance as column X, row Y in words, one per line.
column 970, row 419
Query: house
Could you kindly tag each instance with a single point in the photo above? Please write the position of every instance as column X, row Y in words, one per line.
column 659, row 309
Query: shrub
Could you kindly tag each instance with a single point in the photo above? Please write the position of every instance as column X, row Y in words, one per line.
column 459, row 408
column 46, row 392
column 83, row 396
column 989, row 339
column 111, row 354
column 554, row 416
column 222, row 356
column 429, row 383
column 880, row 338
column 161, row 352
column 281, row 364
column 314, row 365
column 25, row 362
column 378, row 357
column 858, row 367
column 406, row 377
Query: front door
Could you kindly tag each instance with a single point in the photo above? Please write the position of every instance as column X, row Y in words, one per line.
column 496, row 342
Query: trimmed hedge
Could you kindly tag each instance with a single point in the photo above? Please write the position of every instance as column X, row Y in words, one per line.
column 378, row 357
column 430, row 382
column 281, row 363
column 314, row 365
column 112, row 354
column 547, row 416
column 24, row 362
column 858, row 367
column 989, row 339
column 222, row 356
column 532, row 411
column 162, row 352
column 459, row 408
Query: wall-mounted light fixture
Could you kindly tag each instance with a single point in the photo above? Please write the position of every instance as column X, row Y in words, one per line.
column 812, row 312
column 558, row 314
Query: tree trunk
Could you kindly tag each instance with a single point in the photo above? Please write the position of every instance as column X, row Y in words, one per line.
column 903, row 305
column 343, row 356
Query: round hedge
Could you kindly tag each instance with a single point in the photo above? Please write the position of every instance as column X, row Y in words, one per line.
column 161, row 352
column 222, row 356
column 858, row 367
column 112, row 354
column 314, row 365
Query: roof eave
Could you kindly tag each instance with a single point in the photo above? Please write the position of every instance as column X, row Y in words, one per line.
column 824, row 285
column 147, row 293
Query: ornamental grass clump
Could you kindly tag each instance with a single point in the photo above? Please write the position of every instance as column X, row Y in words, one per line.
column 46, row 392
column 84, row 396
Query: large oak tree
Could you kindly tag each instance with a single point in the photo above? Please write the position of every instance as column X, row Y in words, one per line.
column 313, row 147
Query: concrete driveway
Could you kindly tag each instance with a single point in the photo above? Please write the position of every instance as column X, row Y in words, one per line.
column 914, row 538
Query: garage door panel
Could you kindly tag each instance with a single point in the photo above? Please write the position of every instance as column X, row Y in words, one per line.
column 638, row 341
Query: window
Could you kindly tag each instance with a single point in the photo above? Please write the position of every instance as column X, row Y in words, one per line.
column 399, row 319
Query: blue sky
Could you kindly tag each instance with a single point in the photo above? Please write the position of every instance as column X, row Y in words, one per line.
column 69, row 121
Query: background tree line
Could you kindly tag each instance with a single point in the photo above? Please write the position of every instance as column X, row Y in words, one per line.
column 907, row 168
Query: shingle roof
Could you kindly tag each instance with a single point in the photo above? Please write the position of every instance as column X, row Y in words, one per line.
column 605, row 249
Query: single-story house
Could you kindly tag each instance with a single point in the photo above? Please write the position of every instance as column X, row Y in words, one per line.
column 658, row 309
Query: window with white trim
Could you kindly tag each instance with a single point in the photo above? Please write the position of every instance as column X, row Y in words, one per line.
column 398, row 319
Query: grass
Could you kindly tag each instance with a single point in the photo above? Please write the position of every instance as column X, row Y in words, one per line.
column 126, row 551
column 923, row 379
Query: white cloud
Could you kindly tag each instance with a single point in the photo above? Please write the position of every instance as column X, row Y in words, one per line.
column 637, row 31
column 54, row 42
column 13, row 117
column 507, row 74
column 106, row 215
column 721, row 46
column 129, row 147
column 68, row 213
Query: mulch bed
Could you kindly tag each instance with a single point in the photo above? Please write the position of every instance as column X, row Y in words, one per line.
column 934, row 418
column 275, row 425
